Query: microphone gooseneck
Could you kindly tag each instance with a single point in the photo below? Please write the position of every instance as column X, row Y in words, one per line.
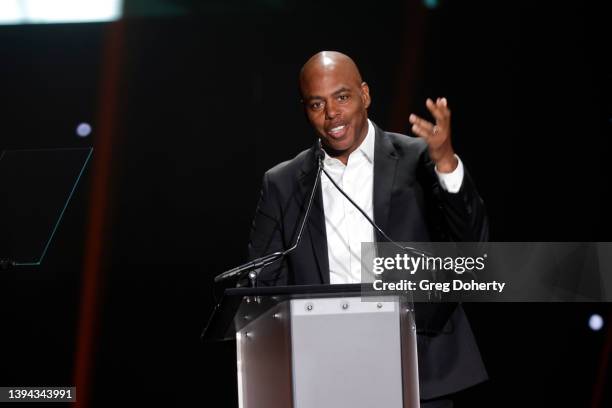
column 266, row 260
column 371, row 221
column 319, row 157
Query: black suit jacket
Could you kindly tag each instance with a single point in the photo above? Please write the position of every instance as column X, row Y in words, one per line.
column 409, row 205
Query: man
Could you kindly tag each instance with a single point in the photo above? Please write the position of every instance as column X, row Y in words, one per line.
column 415, row 189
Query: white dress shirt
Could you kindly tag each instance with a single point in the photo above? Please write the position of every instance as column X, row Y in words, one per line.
column 345, row 226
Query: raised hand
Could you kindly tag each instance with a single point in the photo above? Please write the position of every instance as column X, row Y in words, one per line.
column 438, row 136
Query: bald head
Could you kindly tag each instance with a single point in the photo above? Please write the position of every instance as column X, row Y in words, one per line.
column 326, row 61
column 335, row 101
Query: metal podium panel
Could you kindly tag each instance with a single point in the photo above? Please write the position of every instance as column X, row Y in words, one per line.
column 263, row 350
column 346, row 353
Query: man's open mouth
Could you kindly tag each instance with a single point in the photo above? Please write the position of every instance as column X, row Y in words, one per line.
column 337, row 131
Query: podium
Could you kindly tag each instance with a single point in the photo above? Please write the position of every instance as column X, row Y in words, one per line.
column 319, row 346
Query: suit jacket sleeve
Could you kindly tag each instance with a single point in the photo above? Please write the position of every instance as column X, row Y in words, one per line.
column 461, row 216
column 266, row 234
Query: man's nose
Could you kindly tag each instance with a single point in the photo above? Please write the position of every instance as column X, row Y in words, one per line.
column 331, row 110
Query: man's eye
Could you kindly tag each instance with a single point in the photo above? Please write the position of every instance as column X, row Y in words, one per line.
column 343, row 97
column 316, row 105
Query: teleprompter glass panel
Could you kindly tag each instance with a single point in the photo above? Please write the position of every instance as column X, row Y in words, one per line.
column 35, row 189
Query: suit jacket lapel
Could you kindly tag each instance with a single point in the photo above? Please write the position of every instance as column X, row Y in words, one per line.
column 316, row 222
column 385, row 163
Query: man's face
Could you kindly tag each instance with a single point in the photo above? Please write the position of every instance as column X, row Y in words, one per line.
column 336, row 105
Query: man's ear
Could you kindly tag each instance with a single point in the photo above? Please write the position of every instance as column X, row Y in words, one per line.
column 365, row 94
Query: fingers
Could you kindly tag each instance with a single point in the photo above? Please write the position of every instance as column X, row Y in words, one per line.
column 422, row 123
column 420, row 126
column 421, row 132
column 441, row 113
column 439, row 110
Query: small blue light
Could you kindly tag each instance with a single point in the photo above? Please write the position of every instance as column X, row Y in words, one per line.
column 83, row 130
column 596, row 322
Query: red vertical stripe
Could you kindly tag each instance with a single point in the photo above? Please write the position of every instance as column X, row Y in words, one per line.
column 601, row 383
column 409, row 68
column 98, row 213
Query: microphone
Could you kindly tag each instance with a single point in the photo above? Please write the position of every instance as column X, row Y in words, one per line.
column 266, row 260
column 319, row 154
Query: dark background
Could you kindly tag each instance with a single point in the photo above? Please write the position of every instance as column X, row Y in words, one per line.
column 207, row 101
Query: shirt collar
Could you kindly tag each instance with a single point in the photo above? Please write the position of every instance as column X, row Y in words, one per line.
column 366, row 147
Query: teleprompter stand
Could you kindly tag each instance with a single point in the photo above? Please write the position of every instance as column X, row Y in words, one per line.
column 36, row 186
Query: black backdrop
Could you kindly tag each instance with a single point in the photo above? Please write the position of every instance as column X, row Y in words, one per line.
column 207, row 103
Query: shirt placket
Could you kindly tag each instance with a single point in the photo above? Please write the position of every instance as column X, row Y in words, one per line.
column 344, row 224
column 351, row 229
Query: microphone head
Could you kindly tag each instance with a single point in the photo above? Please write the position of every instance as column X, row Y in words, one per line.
column 319, row 154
